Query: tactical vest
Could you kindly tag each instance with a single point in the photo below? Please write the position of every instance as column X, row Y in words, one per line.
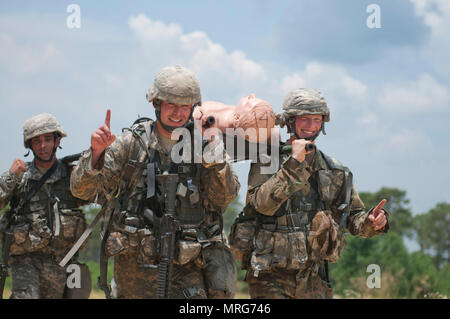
column 299, row 210
column 51, row 220
column 281, row 241
column 41, row 205
column 198, row 224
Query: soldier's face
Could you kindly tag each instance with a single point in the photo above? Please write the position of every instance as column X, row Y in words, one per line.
column 175, row 115
column 43, row 145
column 308, row 125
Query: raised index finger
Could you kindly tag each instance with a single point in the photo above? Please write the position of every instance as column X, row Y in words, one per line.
column 108, row 118
column 380, row 204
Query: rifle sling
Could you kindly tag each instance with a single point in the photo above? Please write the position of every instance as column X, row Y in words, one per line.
column 41, row 182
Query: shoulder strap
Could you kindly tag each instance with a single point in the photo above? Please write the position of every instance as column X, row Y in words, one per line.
column 348, row 184
column 345, row 206
column 39, row 184
column 332, row 163
column 136, row 159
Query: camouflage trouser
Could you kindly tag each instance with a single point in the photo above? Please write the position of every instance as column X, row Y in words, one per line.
column 284, row 284
column 134, row 281
column 36, row 276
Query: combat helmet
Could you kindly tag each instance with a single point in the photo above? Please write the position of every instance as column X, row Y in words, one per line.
column 42, row 124
column 304, row 101
column 175, row 85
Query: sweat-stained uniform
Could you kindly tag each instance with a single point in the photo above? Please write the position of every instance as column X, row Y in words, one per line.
column 289, row 228
column 37, row 247
column 203, row 266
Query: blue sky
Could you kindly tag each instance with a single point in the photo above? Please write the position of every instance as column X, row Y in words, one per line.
column 388, row 88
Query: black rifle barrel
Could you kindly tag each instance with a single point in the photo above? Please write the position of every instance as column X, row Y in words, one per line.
column 168, row 230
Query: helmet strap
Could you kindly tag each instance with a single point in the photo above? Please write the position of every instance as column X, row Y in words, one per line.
column 55, row 136
column 43, row 160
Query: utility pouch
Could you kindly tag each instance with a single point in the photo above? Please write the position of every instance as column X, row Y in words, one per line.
column 280, row 250
column 117, row 243
column 262, row 254
column 29, row 238
column 242, row 235
column 326, row 241
column 187, row 251
column 298, row 254
column 220, row 271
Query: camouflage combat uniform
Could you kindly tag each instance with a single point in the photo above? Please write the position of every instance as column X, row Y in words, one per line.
column 39, row 243
column 203, row 264
column 289, row 229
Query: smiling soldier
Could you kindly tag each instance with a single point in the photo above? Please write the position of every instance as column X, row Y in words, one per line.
column 294, row 220
column 130, row 170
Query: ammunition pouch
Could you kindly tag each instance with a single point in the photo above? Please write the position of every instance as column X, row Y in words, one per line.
column 34, row 235
column 326, row 241
column 144, row 243
column 275, row 249
column 73, row 225
column 29, row 238
column 242, row 233
column 187, row 251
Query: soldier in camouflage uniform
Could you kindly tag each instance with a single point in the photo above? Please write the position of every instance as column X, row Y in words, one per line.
column 126, row 167
column 293, row 223
column 46, row 226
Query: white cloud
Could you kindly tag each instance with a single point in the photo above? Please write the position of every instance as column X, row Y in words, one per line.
column 195, row 50
column 340, row 89
column 406, row 142
column 292, row 82
column 22, row 60
column 368, row 119
column 436, row 14
column 148, row 30
column 353, row 86
column 422, row 96
column 112, row 80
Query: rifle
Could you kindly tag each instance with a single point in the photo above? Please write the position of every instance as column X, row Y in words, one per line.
column 167, row 226
column 168, row 229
